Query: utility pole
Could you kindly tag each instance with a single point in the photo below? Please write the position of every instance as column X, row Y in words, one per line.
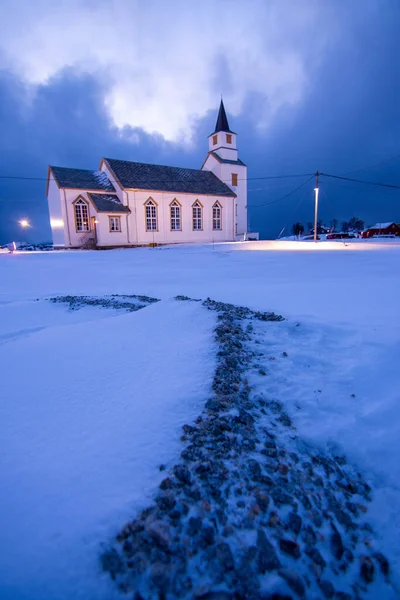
column 316, row 190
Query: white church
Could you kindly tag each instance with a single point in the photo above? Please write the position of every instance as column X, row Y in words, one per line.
column 128, row 203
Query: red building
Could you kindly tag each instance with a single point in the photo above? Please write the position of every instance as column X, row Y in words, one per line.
column 389, row 229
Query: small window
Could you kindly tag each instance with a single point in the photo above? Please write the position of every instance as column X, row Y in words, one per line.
column 217, row 223
column 115, row 223
column 151, row 215
column 234, row 179
column 236, row 210
column 197, row 216
column 228, row 138
column 81, row 216
column 175, row 214
column 215, row 139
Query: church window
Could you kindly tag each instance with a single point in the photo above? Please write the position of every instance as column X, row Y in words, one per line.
column 81, row 215
column 215, row 139
column 175, row 210
column 217, row 221
column 228, row 138
column 151, row 215
column 115, row 223
column 197, row 216
column 234, row 179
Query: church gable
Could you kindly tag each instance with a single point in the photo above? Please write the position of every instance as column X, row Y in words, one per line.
column 221, row 160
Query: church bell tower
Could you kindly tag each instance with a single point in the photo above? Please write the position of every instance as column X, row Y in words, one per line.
column 223, row 160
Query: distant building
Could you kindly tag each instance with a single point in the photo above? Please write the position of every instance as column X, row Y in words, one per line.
column 127, row 203
column 321, row 229
column 340, row 235
column 379, row 229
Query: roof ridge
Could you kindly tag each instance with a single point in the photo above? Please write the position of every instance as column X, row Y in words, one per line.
column 103, row 193
column 74, row 169
column 135, row 162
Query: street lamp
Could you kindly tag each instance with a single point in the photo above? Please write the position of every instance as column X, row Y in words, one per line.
column 24, row 223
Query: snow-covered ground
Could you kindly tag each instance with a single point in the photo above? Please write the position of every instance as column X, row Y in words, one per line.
column 92, row 400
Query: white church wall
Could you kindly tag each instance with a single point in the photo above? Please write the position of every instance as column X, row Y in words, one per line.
column 224, row 172
column 240, row 190
column 212, row 164
column 57, row 217
column 227, row 153
column 164, row 234
column 221, row 141
column 105, row 237
column 74, row 239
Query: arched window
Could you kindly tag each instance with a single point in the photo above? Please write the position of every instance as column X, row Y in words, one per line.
column 197, row 216
column 151, row 215
column 217, row 216
column 81, row 215
column 175, row 215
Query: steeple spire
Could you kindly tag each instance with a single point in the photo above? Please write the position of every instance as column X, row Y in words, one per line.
column 222, row 121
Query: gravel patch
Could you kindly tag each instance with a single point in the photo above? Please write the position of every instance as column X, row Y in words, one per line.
column 128, row 303
column 250, row 511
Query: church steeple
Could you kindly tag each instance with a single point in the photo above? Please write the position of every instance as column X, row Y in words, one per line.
column 223, row 160
column 222, row 120
column 223, row 139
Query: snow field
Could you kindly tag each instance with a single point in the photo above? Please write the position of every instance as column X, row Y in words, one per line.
column 89, row 412
column 81, row 445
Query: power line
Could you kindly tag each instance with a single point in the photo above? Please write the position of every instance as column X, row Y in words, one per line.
column 249, row 191
column 294, row 213
column 379, row 164
column 19, row 177
column 347, row 186
column 283, row 197
column 386, row 185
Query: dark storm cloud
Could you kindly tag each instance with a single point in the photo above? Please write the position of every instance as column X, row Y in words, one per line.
column 64, row 124
column 349, row 120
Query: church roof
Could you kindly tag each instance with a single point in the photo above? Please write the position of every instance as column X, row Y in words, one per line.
column 82, row 179
column 143, row 176
column 222, row 120
column 108, row 203
column 226, row 160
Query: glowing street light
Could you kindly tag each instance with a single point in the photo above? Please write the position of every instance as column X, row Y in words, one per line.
column 24, row 223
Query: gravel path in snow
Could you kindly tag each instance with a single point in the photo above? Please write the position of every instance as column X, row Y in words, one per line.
column 250, row 511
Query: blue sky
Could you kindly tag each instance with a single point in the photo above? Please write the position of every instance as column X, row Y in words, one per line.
column 311, row 85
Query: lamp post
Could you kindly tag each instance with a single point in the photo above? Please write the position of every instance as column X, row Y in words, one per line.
column 316, row 190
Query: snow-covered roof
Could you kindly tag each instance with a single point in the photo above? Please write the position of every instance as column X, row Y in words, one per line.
column 108, row 203
column 381, row 225
column 82, row 179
